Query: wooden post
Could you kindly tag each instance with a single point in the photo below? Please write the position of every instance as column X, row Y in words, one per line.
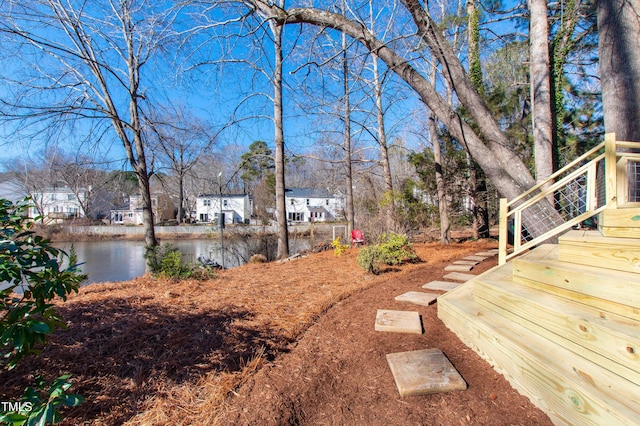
column 610, row 170
column 503, row 226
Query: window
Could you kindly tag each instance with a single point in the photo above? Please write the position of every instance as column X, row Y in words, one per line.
column 307, row 201
column 54, row 197
column 326, row 202
column 70, row 197
column 206, row 203
column 292, row 202
column 225, row 203
column 204, row 217
column 295, row 216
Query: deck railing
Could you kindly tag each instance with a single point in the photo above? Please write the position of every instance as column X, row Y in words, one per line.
column 607, row 176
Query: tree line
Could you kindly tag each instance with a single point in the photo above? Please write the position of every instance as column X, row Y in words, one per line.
column 498, row 98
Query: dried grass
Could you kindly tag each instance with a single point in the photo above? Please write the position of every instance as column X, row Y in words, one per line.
column 151, row 351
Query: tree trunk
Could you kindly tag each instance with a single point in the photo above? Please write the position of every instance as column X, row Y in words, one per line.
column 443, row 205
column 618, row 45
column 389, row 208
column 347, row 139
column 281, row 210
column 507, row 172
column 540, row 70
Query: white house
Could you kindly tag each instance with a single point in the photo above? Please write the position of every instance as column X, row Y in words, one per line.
column 55, row 204
column 313, row 205
column 236, row 208
column 131, row 213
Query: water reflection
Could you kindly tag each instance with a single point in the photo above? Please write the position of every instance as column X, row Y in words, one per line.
column 123, row 260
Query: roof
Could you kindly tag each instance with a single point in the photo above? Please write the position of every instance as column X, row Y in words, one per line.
column 308, row 193
column 223, row 196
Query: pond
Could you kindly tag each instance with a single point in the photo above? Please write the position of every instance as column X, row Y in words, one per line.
column 123, row 260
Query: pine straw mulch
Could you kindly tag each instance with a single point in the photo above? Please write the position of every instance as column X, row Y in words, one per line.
column 153, row 351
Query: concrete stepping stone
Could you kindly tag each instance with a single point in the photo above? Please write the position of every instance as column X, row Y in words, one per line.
column 466, row 262
column 459, row 276
column 458, row 268
column 494, row 251
column 476, row 258
column 486, row 253
column 441, row 285
column 417, row 297
column 398, row 321
column 423, row 372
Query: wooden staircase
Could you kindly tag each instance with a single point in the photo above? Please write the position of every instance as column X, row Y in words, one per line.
column 562, row 324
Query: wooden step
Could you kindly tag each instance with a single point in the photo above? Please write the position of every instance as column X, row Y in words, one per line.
column 620, row 223
column 569, row 388
column 591, row 248
column 611, row 341
column 608, row 290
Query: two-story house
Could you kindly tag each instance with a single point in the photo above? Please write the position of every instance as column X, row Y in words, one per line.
column 313, row 205
column 131, row 213
column 236, row 208
column 58, row 203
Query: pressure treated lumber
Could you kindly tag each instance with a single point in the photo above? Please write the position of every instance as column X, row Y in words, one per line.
column 569, row 388
column 590, row 248
column 609, row 290
column 611, row 341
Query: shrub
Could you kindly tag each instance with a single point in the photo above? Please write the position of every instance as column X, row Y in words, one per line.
column 393, row 249
column 396, row 248
column 166, row 261
column 338, row 247
column 258, row 258
column 33, row 275
column 370, row 258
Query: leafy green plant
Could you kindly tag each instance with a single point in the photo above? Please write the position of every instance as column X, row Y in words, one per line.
column 396, row 249
column 40, row 404
column 338, row 247
column 392, row 249
column 33, row 274
column 370, row 259
column 166, row 261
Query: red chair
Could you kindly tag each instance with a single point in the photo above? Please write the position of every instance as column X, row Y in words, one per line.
column 357, row 237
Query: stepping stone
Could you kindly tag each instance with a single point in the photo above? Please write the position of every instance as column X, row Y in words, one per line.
column 458, row 268
column 486, row 253
column 398, row 322
column 466, row 262
column 424, row 371
column 441, row 285
column 494, row 251
column 459, row 276
column 476, row 258
column 417, row 297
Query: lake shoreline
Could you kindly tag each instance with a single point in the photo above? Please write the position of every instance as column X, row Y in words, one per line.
column 73, row 233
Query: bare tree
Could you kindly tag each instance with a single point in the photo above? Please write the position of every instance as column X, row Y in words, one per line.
column 181, row 141
column 85, row 62
column 509, row 174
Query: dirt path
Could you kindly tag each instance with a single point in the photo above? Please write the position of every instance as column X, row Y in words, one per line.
column 337, row 373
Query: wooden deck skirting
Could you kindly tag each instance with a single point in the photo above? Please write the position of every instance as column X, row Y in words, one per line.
column 562, row 324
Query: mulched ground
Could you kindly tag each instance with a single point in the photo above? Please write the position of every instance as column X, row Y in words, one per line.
column 267, row 344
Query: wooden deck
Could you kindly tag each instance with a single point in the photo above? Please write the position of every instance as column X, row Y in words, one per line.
column 562, row 324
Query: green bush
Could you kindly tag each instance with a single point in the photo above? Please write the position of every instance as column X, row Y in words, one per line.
column 370, row 259
column 396, row 249
column 393, row 249
column 166, row 261
column 32, row 273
